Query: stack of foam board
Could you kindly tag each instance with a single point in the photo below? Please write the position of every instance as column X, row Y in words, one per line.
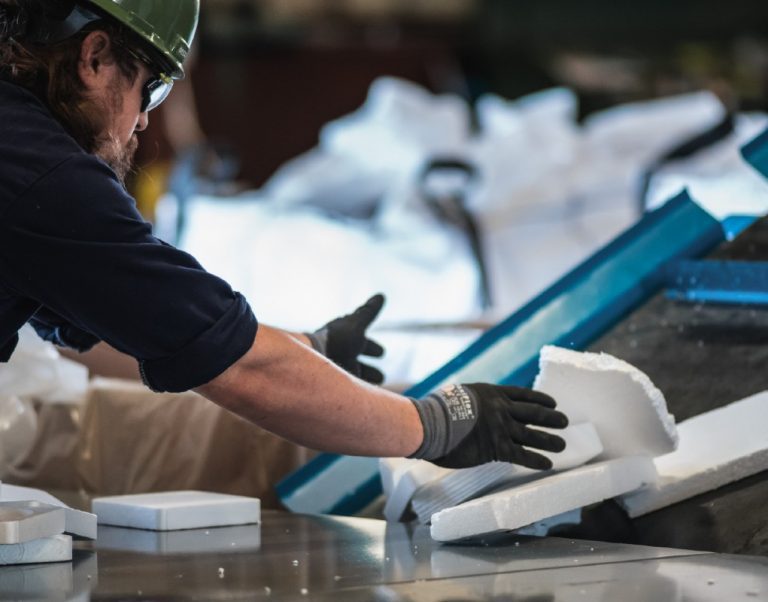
column 618, row 422
column 716, row 448
column 401, row 478
column 582, row 445
column 36, row 527
column 79, row 524
column 32, row 532
column 520, row 506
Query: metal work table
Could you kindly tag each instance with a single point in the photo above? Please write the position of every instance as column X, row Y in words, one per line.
column 302, row 557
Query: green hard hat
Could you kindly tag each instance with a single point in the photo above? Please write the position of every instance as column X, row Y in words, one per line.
column 168, row 26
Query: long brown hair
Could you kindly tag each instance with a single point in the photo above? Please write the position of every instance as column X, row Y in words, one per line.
column 50, row 72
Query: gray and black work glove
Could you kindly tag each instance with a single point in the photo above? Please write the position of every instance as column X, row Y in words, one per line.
column 468, row 425
column 343, row 340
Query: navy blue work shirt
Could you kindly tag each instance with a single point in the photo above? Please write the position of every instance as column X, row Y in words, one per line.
column 79, row 262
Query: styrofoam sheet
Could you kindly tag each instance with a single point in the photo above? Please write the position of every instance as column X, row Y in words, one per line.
column 24, row 521
column 628, row 411
column 520, row 506
column 716, row 448
column 402, row 477
column 57, row 548
column 76, row 522
column 456, row 486
column 177, row 510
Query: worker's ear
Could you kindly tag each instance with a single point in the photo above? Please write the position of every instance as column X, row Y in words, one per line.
column 96, row 60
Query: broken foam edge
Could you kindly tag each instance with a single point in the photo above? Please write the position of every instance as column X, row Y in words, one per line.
column 597, row 362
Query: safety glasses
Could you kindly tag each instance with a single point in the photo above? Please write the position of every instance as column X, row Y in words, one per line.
column 156, row 89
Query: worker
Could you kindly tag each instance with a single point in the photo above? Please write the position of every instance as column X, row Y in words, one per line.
column 77, row 82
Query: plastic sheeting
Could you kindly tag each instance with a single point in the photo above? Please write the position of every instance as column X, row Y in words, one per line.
column 36, row 371
column 348, row 218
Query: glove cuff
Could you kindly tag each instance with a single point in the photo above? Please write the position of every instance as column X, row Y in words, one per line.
column 319, row 340
column 447, row 417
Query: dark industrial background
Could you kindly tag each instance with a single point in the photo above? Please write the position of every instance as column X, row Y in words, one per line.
column 269, row 74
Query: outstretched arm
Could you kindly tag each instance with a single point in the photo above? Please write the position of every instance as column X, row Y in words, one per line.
column 289, row 389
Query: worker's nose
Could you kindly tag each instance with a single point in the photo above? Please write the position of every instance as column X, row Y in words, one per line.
column 143, row 121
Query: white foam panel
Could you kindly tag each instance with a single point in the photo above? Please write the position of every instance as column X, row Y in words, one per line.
column 716, row 448
column 177, row 510
column 628, row 411
column 57, row 548
column 528, row 503
column 456, row 486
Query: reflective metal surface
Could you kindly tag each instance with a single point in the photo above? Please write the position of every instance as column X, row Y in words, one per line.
column 295, row 557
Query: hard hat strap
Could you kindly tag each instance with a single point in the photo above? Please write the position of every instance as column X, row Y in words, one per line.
column 52, row 31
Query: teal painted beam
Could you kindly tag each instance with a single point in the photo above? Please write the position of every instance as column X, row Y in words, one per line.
column 573, row 312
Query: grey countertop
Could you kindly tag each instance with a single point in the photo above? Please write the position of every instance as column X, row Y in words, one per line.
column 301, row 557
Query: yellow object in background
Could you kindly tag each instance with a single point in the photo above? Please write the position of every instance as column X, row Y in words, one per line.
column 148, row 185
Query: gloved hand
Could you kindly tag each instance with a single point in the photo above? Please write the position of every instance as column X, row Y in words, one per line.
column 343, row 340
column 468, row 425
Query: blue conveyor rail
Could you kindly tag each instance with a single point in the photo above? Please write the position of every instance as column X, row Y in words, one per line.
column 573, row 312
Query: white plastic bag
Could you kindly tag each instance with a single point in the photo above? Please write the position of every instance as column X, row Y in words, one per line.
column 18, row 426
column 37, row 370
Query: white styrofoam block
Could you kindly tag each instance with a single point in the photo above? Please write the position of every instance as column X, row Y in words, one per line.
column 716, row 448
column 628, row 411
column 57, row 548
column 24, row 521
column 526, row 504
column 405, row 477
column 173, row 510
column 456, row 486
column 390, row 470
column 76, row 522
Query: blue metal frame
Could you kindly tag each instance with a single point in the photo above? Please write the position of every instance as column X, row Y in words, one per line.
column 756, row 153
column 720, row 282
column 573, row 312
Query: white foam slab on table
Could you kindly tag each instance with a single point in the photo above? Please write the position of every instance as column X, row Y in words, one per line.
column 173, row 510
column 24, row 521
column 523, row 505
column 57, row 548
column 716, row 448
column 628, row 411
column 76, row 522
column 457, row 486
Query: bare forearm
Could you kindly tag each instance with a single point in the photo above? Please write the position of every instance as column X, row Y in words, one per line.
column 288, row 389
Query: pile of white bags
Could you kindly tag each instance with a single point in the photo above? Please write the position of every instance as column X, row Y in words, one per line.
column 349, row 218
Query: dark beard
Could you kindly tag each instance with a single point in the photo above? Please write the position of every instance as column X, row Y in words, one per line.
column 108, row 147
column 117, row 156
